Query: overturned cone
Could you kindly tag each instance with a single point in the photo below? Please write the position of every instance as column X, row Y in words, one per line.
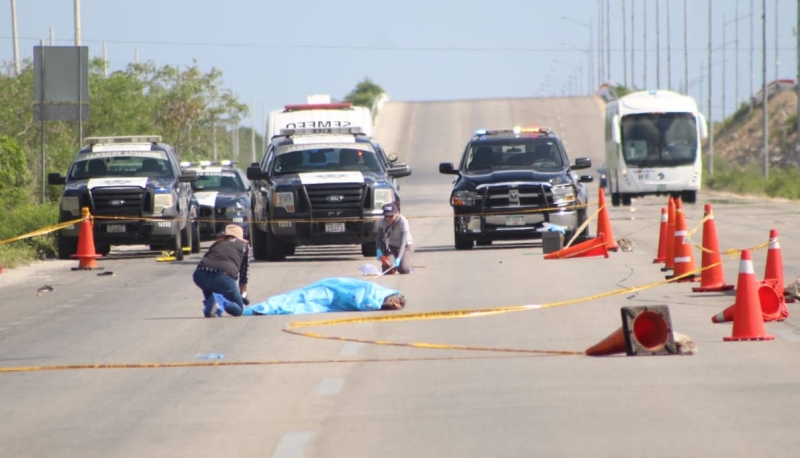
column 591, row 247
column 644, row 331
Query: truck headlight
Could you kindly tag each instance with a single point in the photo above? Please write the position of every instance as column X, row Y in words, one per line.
column 382, row 196
column 162, row 201
column 71, row 204
column 463, row 199
column 563, row 194
column 285, row 200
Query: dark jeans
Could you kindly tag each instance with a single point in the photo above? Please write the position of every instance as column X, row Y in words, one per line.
column 405, row 261
column 220, row 283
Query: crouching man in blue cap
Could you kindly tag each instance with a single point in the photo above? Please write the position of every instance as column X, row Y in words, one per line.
column 224, row 265
column 394, row 240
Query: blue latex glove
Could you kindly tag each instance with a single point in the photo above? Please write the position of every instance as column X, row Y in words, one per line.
column 397, row 262
column 379, row 254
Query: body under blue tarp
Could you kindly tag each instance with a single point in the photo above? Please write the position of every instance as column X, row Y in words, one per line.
column 335, row 294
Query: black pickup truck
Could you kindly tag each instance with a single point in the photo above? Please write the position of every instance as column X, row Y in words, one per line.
column 511, row 183
column 319, row 187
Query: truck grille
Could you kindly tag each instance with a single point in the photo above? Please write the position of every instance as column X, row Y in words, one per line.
column 336, row 196
column 515, row 195
column 130, row 201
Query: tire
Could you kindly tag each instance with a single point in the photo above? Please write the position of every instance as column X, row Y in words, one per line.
column 103, row 250
column 615, row 199
column 369, row 250
column 258, row 241
column 66, row 247
column 483, row 242
column 186, row 237
column 463, row 244
column 177, row 246
column 289, row 249
column 274, row 247
column 195, row 238
column 626, row 200
column 689, row 197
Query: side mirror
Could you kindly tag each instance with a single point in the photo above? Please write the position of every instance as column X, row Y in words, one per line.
column 399, row 171
column 702, row 125
column 586, row 179
column 582, row 163
column 56, row 178
column 254, row 172
column 616, row 135
column 447, row 168
column 187, row 177
column 392, row 157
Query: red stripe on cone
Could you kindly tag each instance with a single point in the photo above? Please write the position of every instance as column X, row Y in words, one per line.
column 748, row 322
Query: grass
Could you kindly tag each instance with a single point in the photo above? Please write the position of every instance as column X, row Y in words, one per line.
column 782, row 183
column 18, row 219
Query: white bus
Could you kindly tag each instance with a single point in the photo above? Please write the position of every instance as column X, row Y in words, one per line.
column 653, row 146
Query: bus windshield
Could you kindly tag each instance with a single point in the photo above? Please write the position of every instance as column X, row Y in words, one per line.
column 659, row 139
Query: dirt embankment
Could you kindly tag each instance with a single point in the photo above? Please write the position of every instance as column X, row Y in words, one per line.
column 739, row 140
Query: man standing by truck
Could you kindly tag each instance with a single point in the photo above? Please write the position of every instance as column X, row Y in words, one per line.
column 394, row 240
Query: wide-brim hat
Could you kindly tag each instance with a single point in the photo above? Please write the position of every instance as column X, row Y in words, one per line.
column 232, row 230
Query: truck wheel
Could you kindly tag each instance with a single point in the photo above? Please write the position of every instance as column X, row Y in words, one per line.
column 274, row 247
column 257, row 239
column 463, row 244
column 195, row 237
column 289, row 249
column 186, row 237
column 66, row 247
column 689, row 197
column 369, row 250
column 615, row 199
column 626, row 200
column 177, row 246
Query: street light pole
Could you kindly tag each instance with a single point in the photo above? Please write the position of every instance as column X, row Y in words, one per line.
column 764, row 126
column 624, row 50
column 686, row 47
column 710, row 98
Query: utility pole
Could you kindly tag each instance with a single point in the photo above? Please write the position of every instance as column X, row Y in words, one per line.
column 752, row 50
column 253, row 130
column 77, row 22
column 658, row 48
column 633, row 48
column 710, row 92
column 669, row 52
column 777, row 47
column 764, row 126
column 644, row 49
column 15, row 38
column 105, row 59
column 736, row 72
column 624, row 50
column 608, row 40
column 600, row 42
column 686, row 47
column 724, row 66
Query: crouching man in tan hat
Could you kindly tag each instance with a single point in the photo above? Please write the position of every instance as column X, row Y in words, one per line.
column 225, row 262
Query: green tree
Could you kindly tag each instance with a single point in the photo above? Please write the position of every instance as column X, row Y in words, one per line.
column 364, row 94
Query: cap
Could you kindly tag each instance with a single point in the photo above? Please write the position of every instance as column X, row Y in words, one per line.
column 390, row 209
column 232, row 230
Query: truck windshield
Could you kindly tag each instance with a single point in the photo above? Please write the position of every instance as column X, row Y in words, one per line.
column 326, row 160
column 152, row 164
column 542, row 155
column 218, row 181
column 658, row 140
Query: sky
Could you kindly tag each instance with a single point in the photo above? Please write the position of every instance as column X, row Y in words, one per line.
column 274, row 53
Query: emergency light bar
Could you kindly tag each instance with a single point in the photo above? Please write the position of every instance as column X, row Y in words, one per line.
column 318, row 106
column 516, row 131
column 123, row 139
column 226, row 163
column 322, row 130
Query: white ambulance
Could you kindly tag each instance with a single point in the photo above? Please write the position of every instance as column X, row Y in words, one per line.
column 320, row 113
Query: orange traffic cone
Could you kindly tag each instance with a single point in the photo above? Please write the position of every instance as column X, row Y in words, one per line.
column 663, row 237
column 86, row 253
column 645, row 331
column 748, row 322
column 774, row 269
column 591, row 247
column 669, row 262
column 712, row 278
column 604, row 222
column 684, row 253
column 771, row 303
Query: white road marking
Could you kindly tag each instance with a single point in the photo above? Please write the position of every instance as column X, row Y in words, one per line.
column 329, row 386
column 293, row 445
column 351, row 349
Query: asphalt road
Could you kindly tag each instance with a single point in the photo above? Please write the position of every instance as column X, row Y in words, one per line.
column 314, row 397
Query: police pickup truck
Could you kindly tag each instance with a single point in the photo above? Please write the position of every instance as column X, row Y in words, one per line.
column 319, row 187
column 511, row 183
column 134, row 188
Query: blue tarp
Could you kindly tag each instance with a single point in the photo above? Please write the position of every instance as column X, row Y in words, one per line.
column 335, row 294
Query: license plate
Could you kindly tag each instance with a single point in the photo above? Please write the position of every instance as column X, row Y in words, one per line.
column 515, row 220
column 115, row 228
column 334, row 227
column 237, row 219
